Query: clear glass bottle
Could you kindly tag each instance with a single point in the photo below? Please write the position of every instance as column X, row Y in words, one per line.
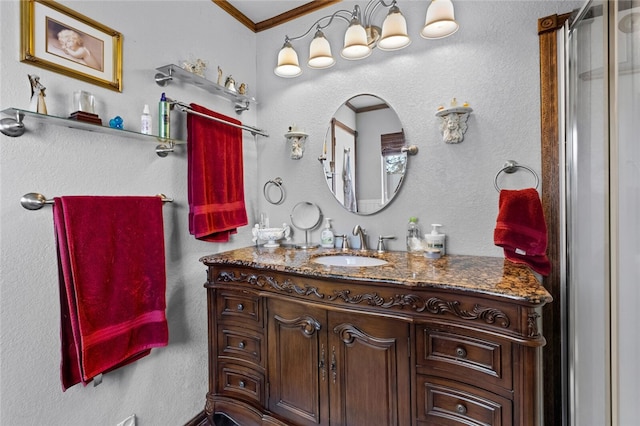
column 414, row 237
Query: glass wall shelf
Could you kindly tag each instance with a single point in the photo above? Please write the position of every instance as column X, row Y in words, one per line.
column 169, row 72
column 12, row 126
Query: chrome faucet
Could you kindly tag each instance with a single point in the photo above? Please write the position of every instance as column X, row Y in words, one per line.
column 358, row 230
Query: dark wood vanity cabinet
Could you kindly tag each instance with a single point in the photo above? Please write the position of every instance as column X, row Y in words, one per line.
column 323, row 363
column 288, row 349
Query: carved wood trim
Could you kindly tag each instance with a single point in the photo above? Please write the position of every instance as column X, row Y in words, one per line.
column 419, row 304
column 349, row 333
column 262, row 281
column 294, row 13
column 549, row 145
column 308, row 325
column 433, row 305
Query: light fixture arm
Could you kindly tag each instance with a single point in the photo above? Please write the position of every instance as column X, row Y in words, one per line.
column 370, row 9
column 316, row 25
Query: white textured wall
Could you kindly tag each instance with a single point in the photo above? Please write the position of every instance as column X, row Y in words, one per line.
column 491, row 62
column 167, row 387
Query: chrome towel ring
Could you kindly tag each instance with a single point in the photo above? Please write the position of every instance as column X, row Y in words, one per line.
column 277, row 182
column 512, row 166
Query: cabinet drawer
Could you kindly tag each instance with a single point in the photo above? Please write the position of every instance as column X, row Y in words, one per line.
column 469, row 357
column 446, row 402
column 240, row 382
column 240, row 307
column 243, row 343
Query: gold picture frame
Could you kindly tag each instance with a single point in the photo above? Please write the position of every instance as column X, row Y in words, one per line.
column 59, row 39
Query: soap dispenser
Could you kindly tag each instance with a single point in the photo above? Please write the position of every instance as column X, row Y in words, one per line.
column 436, row 240
column 327, row 237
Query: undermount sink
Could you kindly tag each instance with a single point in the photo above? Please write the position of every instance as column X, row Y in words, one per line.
column 349, row 260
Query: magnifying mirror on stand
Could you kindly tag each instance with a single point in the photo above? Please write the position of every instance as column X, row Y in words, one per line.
column 306, row 216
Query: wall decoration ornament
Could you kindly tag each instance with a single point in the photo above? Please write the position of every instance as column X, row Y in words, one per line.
column 297, row 138
column 59, row 39
column 453, row 121
column 37, row 103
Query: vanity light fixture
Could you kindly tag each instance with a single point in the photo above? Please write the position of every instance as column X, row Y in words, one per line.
column 362, row 35
column 440, row 21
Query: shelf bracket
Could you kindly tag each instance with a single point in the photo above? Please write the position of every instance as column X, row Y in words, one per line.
column 163, row 79
column 165, row 148
column 13, row 127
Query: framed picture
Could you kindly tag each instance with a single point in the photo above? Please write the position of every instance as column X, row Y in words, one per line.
column 59, row 39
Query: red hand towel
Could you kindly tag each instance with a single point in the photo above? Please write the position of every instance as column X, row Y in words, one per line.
column 521, row 229
column 215, row 177
column 112, row 282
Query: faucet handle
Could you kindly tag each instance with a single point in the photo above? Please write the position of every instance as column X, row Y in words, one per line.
column 381, row 248
column 345, row 241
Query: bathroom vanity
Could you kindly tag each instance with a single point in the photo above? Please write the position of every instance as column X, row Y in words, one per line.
column 414, row 341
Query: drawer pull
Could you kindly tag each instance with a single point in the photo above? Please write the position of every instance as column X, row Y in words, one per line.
column 240, row 307
column 461, row 352
column 242, row 384
column 241, row 345
column 461, row 409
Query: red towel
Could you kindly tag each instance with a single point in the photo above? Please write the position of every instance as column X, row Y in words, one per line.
column 521, row 230
column 112, row 282
column 215, row 177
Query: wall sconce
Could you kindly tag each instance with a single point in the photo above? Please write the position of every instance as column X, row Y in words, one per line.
column 453, row 121
column 297, row 139
column 362, row 35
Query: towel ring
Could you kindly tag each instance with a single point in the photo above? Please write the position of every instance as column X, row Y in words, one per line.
column 512, row 166
column 278, row 183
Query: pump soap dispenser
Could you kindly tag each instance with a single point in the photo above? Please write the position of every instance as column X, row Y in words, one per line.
column 327, row 237
column 435, row 240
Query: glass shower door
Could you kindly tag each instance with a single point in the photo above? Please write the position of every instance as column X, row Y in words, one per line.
column 603, row 213
column 587, row 227
column 625, row 177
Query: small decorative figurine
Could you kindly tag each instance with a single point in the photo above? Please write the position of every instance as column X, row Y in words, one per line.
column 219, row 76
column 37, row 103
column 242, row 89
column 230, row 83
column 116, row 122
column 199, row 67
column 196, row 67
column 453, row 124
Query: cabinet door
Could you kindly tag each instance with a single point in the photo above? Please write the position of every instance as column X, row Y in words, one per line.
column 369, row 370
column 298, row 367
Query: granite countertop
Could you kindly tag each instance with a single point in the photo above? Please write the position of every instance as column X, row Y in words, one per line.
column 475, row 274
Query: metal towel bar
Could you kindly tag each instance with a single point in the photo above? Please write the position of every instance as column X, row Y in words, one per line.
column 35, row 201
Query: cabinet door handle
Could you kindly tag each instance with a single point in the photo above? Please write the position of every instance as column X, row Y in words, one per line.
column 334, row 367
column 461, row 352
column 321, row 364
column 240, row 307
column 461, row 409
column 241, row 345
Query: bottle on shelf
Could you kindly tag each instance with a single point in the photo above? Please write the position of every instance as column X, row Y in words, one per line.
column 145, row 121
column 414, row 237
column 163, row 118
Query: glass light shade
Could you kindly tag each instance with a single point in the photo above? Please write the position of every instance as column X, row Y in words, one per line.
column 320, row 52
column 288, row 65
column 440, row 21
column 355, row 42
column 394, row 31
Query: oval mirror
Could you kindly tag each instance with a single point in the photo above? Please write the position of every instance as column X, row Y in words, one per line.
column 362, row 156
